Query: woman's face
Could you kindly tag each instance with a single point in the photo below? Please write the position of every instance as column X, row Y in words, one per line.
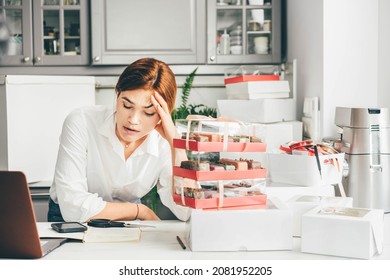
column 135, row 115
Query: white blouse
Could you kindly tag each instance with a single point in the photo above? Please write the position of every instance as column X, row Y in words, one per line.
column 91, row 168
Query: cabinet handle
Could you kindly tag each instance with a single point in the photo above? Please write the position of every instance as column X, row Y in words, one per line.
column 212, row 58
column 96, row 58
column 37, row 59
column 26, row 59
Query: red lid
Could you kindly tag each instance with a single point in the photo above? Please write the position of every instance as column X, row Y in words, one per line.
column 251, row 78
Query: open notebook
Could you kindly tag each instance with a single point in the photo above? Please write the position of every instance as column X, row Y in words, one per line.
column 18, row 231
column 93, row 234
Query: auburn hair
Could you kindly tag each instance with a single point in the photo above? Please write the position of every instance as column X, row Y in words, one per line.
column 152, row 75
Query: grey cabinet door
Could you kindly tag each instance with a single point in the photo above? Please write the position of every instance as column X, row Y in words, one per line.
column 59, row 48
column 169, row 30
column 234, row 18
column 18, row 18
column 35, row 25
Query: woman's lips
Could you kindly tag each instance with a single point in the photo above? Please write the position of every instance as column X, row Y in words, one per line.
column 128, row 130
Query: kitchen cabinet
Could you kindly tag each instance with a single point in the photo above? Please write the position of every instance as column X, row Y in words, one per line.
column 187, row 31
column 46, row 32
column 169, row 30
column 244, row 31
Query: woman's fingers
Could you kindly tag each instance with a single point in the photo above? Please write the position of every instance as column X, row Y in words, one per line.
column 161, row 101
column 161, row 107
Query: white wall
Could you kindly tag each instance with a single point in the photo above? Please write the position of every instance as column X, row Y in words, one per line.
column 336, row 44
column 305, row 43
column 350, row 57
column 384, row 54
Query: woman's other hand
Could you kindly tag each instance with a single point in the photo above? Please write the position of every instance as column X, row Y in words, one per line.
column 145, row 213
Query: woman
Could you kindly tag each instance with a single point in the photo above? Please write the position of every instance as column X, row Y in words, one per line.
column 108, row 159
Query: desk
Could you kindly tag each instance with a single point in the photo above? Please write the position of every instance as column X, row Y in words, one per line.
column 160, row 243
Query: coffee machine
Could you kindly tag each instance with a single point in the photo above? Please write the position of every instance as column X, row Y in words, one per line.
column 365, row 134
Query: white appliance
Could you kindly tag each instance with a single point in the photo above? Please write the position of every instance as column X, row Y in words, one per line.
column 32, row 111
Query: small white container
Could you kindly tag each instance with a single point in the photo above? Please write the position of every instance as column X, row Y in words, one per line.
column 261, row 49
column 256, row 2
column 225, row 43
column 258, row 15
column 267, row 25
column 236, row 49
column 261, row 40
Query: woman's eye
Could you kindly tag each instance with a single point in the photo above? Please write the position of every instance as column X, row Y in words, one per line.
column 149, row 114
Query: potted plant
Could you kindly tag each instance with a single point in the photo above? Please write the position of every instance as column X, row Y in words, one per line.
column 186, row 109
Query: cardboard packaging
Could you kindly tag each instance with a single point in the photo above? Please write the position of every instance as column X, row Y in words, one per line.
column 284, row 192
column 258, row 89
column 344, row 232
column 303, row 169
column 242, row 230
column 300, row 204
column 258, row 110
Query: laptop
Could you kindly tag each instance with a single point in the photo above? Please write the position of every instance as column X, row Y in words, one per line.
column 19, row 236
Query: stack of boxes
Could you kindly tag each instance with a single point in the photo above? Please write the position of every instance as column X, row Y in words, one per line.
column 298, row 200
column 231, row 211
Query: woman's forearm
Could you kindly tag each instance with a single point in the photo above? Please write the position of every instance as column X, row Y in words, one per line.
column 126, row 211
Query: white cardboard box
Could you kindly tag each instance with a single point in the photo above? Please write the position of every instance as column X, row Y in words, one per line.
column 303, row 169
column 242, row 230
column 258, row 110
column 284, row 192
column 300, row 204
column 344, row 232
column 258, row 89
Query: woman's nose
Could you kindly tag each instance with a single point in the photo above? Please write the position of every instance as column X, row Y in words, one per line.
column 134, row 119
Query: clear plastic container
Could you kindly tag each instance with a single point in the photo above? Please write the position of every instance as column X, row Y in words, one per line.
column 205, row 179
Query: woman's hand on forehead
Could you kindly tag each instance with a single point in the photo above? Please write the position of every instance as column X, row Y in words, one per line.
column 166, row 127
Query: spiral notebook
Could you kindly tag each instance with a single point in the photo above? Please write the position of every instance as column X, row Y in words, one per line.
column 19, row 237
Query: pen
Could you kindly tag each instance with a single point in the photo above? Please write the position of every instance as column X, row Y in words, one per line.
column 318, row 159
column 181, row 242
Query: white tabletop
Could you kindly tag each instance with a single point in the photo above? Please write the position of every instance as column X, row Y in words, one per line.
column 160, row 243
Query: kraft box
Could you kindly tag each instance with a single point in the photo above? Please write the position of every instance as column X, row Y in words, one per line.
column 342, row 231
column 300, row 204
column 241, row 230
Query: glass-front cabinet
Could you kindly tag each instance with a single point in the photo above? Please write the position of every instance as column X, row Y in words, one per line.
column 15, row 14
column 46, row 32
column 244, row 31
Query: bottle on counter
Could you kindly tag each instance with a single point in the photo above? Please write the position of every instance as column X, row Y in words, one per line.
column 225, row 43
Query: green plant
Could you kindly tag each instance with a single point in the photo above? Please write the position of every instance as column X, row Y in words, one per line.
column 186, row 109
